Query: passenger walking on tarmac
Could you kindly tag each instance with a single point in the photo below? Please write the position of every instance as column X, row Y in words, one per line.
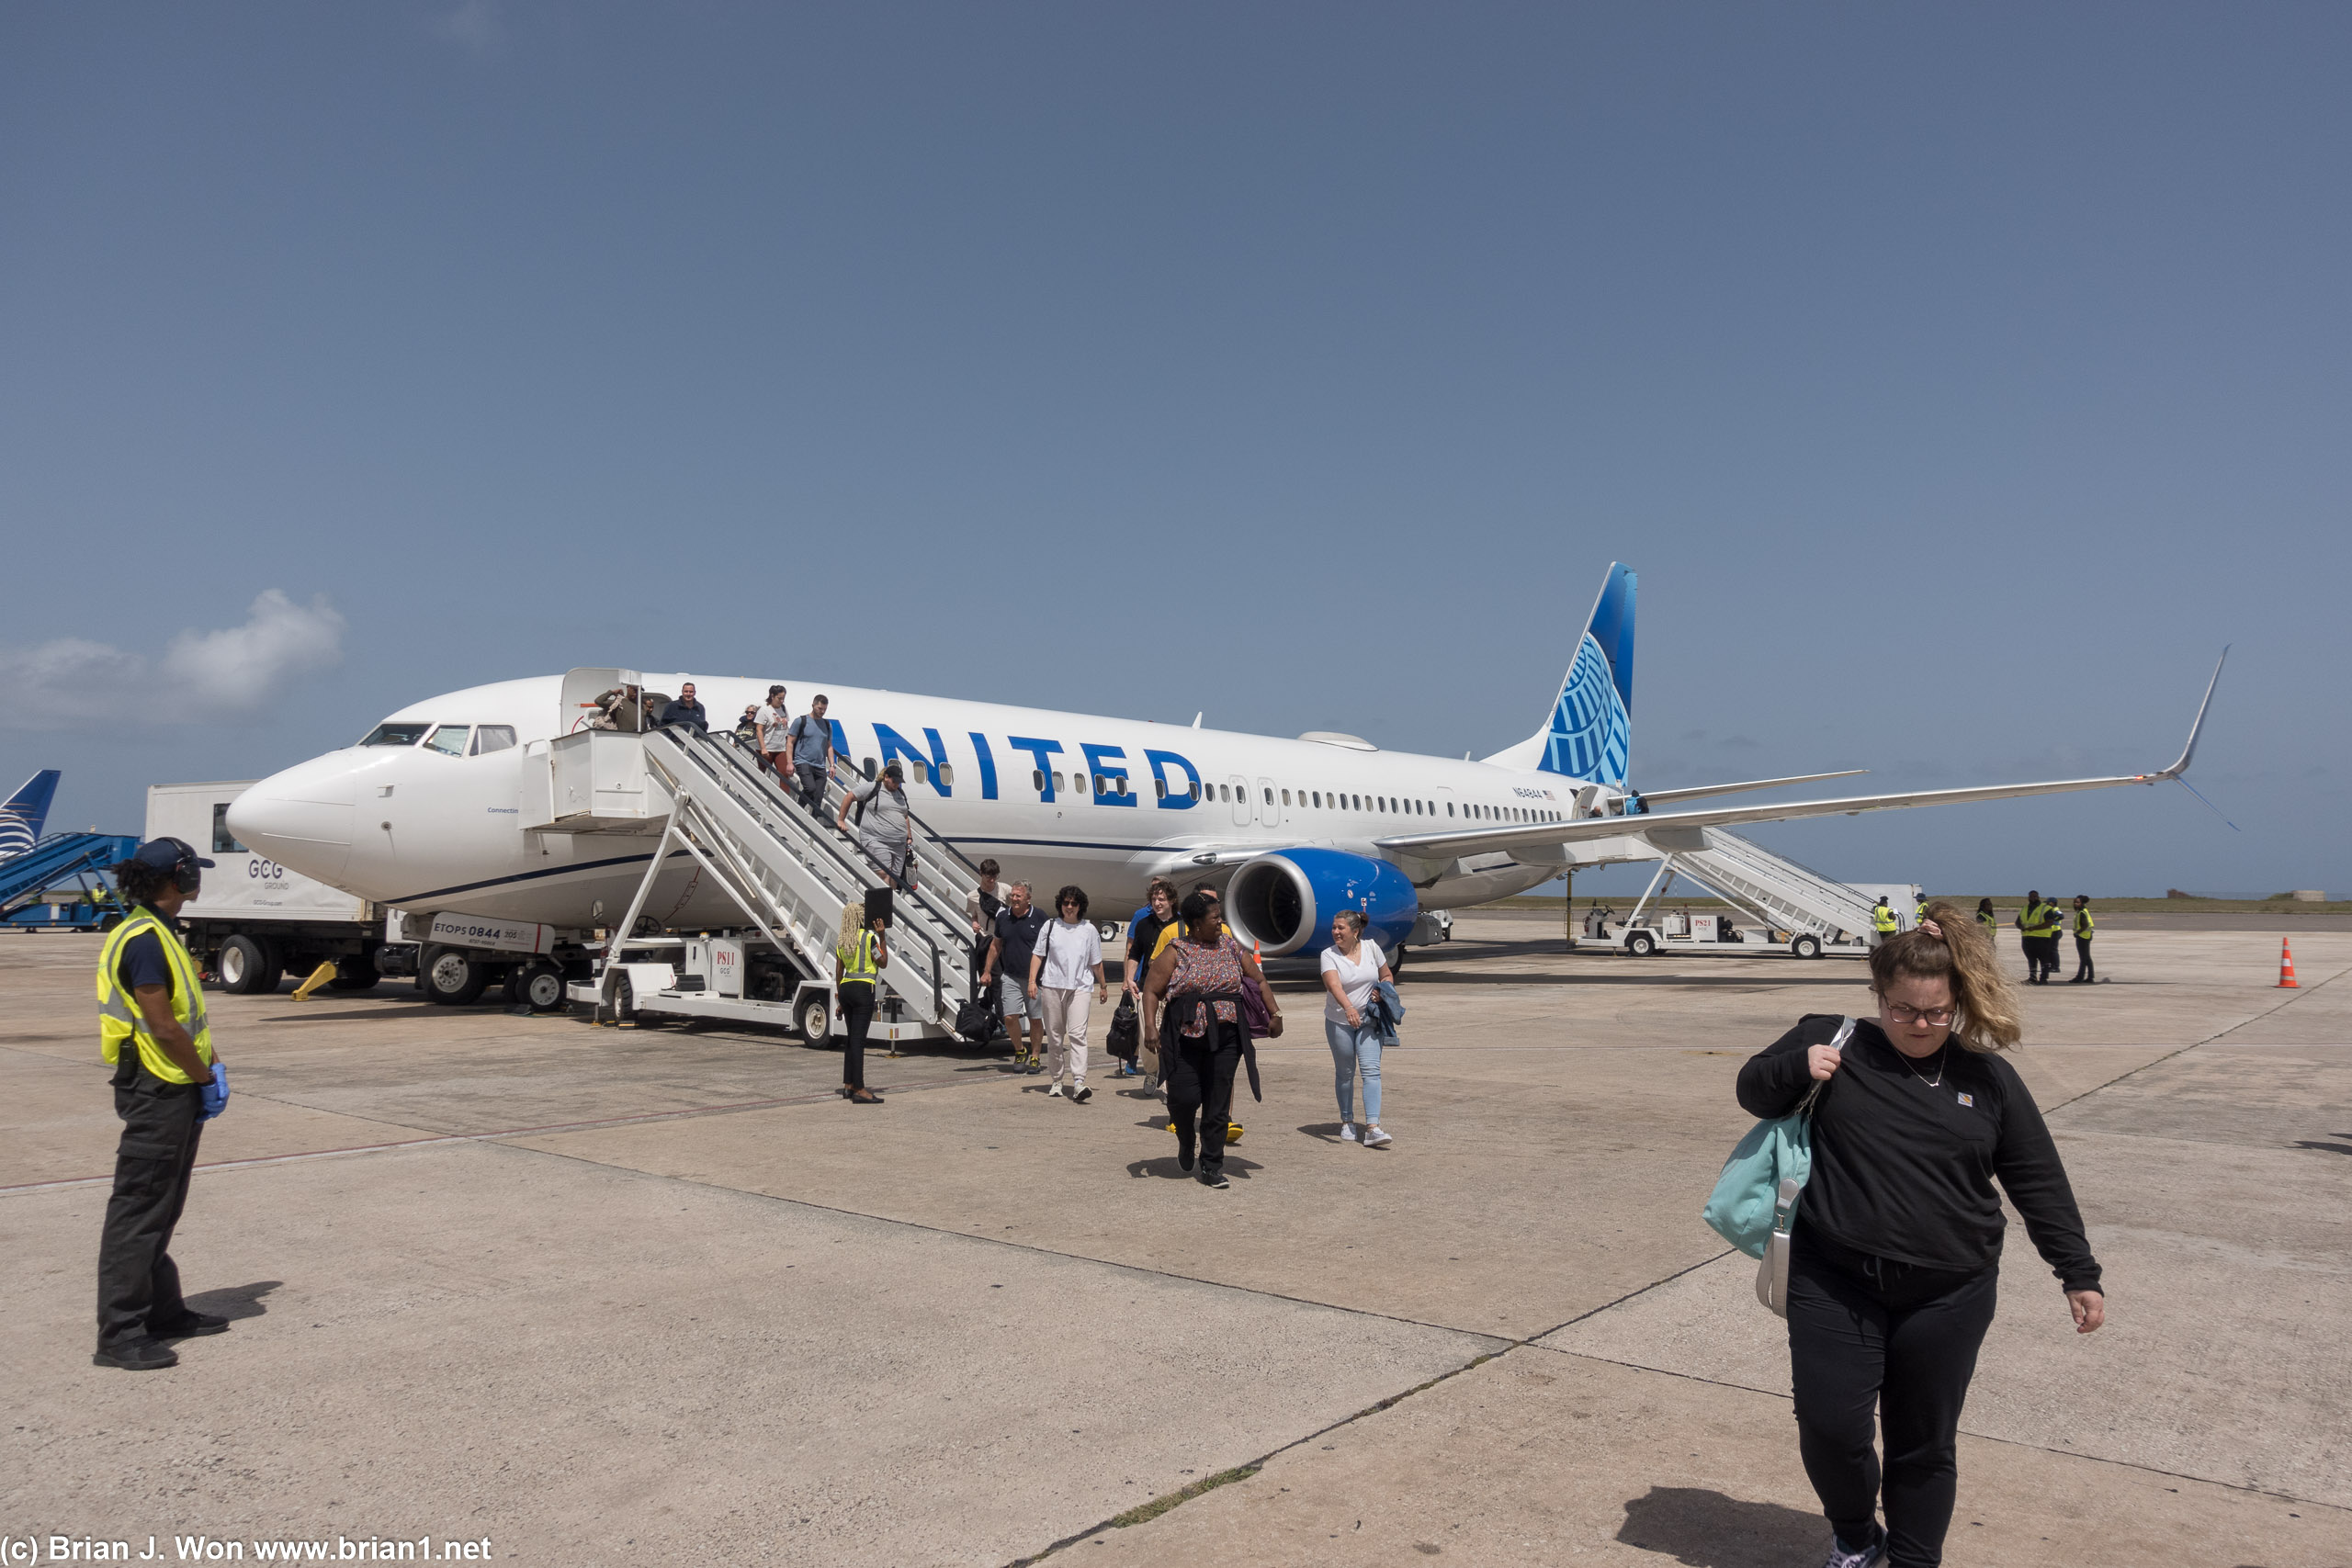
column 1068, row 955
column 2085, row 974
column 168, row 1083
column 886, row 831
column 2037, row 926
column 1883, row 918
column 1896, row 1247
column 1353, row 969
column 773, row 720
column 1014, row 940
column 685, row 709
column 1151, row 928
column 858, row 962
column 811, row 740
column 1986, row 921
column 1202, row 1039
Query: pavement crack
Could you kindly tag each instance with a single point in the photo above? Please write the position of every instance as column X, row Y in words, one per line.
column 2183, row 1051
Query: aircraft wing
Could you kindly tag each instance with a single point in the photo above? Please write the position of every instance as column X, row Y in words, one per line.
column 1697, row 791
column 1434, row 846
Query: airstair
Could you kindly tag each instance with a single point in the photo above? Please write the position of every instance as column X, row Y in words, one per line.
column 1817, row 914
column 790, row 872
column 50, row 864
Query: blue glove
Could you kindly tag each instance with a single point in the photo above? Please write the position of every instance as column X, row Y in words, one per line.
column 216, row 1093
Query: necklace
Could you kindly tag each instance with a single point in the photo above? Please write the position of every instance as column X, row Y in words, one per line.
column 1942, row 1061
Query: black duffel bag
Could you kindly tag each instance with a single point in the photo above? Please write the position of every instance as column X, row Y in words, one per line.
column 977, row 1021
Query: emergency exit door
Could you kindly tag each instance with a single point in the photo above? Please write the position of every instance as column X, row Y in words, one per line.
column 1240, row 788
column 1270, row 810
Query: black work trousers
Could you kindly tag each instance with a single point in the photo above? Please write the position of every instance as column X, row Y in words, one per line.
column 1867, row 1334
column 138, row 1285
column 2082, row 968
column 1199, row 1074
column 856, row 1001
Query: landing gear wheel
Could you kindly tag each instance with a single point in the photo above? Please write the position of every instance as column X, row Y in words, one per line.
column 538, row 987
column 450, row 977
column 1641, row 944
column 1396, row 962
column 1806, row 947
column 816, row 1018
column 247, row 966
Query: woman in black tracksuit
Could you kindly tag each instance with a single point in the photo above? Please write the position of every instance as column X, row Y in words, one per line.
column 1896, row 1245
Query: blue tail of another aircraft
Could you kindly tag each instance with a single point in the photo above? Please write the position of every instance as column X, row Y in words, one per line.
column 1590, row 734
column 25, row 813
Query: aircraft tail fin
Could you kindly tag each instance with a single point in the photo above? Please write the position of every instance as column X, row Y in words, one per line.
column 25, row 813
column 1590, row 733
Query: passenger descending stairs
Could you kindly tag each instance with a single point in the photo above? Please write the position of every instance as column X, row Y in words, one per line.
column 1773, row 888
column 792, row 874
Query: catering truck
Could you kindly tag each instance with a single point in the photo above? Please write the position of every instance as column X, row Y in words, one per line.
column 254, row 921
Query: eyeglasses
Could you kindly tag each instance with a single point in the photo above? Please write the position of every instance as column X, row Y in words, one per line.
column 1897, row 1013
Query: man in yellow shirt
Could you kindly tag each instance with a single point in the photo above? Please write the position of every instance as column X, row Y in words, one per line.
column 167, row 1082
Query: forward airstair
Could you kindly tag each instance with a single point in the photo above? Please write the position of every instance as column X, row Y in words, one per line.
column 1817, row 914
column 789, row 871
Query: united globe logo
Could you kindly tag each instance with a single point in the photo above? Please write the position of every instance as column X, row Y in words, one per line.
column 1591, row 734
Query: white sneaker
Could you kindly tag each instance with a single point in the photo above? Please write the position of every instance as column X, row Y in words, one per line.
column 1374, row 1138
column 1873, row 1557
column 1347, row 1131
column 1055, row 1092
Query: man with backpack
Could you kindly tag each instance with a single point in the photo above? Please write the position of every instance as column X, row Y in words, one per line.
column 808, row 741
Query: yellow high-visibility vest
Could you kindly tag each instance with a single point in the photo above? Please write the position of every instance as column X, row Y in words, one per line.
column 2083, row 923
column 119, row 1015
column 1989, row 921
column 858, row 967
column 2041, row 920
column 1884, row 919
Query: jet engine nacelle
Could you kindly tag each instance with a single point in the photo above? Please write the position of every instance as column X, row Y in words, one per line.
column 1283, row 902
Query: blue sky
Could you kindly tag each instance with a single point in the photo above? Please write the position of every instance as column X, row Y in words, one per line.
column 1958, row 381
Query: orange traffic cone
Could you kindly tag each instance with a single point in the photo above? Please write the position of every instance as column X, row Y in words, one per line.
column 2287, row 966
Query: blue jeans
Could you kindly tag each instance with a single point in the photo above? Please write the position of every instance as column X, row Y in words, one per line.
column 1354, row 1050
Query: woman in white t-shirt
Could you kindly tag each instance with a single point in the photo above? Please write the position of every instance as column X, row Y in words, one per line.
column 1353, row 966
column 1069, row 958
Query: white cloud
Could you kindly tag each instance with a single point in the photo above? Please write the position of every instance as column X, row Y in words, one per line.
column 474, row 27
column 204, row 676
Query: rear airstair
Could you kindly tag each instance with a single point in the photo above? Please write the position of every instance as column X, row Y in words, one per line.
column 52, row 863
column 790, row 873
column 1818, row 914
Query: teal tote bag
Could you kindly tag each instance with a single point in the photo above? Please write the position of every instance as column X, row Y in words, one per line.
column 1755, row 1199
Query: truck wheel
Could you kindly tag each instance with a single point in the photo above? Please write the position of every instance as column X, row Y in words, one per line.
column 1641, row 944
column 1806, row 946
column 450, row 977
column 247, row 966
column 537, row 985
column 816, row 1020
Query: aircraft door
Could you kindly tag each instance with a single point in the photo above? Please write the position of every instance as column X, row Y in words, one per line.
column 1270, row 810
column 1240, row 788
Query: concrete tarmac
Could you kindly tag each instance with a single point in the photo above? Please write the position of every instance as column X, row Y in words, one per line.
column 658, row 1295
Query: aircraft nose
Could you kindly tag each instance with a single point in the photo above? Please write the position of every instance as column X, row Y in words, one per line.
column 300, row 818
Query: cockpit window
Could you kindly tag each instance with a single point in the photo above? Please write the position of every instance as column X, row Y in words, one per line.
column 396, row 735
column 493, row 738
column 449, row 738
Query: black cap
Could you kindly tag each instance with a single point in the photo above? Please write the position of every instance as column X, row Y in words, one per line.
column 165, row 854
column 894, row 770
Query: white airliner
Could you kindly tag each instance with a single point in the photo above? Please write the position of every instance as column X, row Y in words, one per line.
column 424, row 814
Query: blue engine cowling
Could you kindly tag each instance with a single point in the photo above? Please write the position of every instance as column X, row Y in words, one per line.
column 1283, row 902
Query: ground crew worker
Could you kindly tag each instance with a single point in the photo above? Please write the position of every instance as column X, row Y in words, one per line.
column 167, row 1082
column 1987, row 918
column 1884, row 918
column 2037, row 924
column 1919, row 909
column 2084, row 974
